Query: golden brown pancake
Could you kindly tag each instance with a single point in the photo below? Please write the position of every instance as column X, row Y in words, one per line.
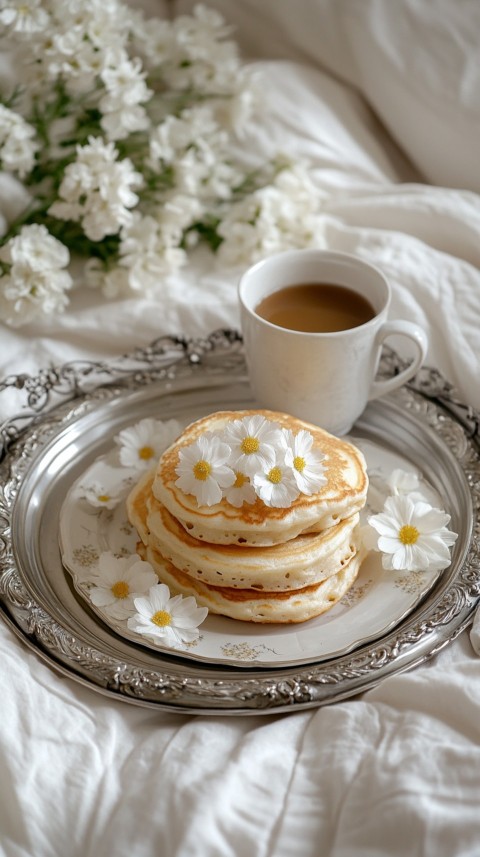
column 297, row 563
column 249, row 605
column 256, row 524
column 255, row 563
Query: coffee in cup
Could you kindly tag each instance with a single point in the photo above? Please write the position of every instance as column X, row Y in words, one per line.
column 315, row 308
column 313, row 323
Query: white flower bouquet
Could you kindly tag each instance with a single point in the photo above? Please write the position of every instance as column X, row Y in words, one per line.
column 120, row 127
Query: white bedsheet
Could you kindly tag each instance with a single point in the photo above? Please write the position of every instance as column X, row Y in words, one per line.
column 393, row 772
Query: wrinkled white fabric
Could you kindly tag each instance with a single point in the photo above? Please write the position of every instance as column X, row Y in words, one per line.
column 393, row 772
column 414, row 61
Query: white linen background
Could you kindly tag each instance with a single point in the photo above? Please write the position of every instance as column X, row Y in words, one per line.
column 394, row 771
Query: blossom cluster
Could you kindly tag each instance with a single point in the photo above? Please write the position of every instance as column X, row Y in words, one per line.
column 125, row 129
column 97, row 190
column 34, row 278
column 17, row 143
column 411, row 533
column 127, row 588
column 252, row 457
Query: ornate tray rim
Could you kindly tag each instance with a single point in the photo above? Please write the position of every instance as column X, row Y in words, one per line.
column 178, row 685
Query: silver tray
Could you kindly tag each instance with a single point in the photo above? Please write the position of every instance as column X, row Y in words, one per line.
column 71, row 416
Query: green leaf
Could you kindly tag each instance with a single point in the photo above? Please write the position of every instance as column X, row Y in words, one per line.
column 207, row 231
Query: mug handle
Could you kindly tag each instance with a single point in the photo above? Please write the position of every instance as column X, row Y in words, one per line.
column 418, row 337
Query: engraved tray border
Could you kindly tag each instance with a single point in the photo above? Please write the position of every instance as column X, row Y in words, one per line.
column 56, row 397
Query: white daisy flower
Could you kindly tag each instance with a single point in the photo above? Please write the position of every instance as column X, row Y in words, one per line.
column 406, row 482
column 203, row 470
column 242, row 490
column 403, row 481
column 100, row 497
column 253, row 441
column 167, row 620
column 142, row 444
column 118, row 581
column 412, row 535
column 306, row 463
column 276, row 485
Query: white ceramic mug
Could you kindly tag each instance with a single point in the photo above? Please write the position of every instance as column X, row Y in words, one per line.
column 324, row 378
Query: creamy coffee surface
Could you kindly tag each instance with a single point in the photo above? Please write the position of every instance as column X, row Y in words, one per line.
column 315, row 308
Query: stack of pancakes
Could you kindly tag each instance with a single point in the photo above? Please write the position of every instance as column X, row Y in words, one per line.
column 255, row 563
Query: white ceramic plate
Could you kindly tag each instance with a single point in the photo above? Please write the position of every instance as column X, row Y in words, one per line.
column 375, row 604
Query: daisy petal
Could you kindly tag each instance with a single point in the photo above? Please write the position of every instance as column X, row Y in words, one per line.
column 101, row 597
column 177, row 623
column 412, row 535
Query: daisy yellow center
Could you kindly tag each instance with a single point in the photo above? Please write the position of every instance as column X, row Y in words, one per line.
column 408, row 535
column 201, row 470
column 299, row 463
column 275, row 475
column 103, row 498
column 161, row 618
column 120, row 589
column 145, row 452
column 240, row 479
column 250, row 445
